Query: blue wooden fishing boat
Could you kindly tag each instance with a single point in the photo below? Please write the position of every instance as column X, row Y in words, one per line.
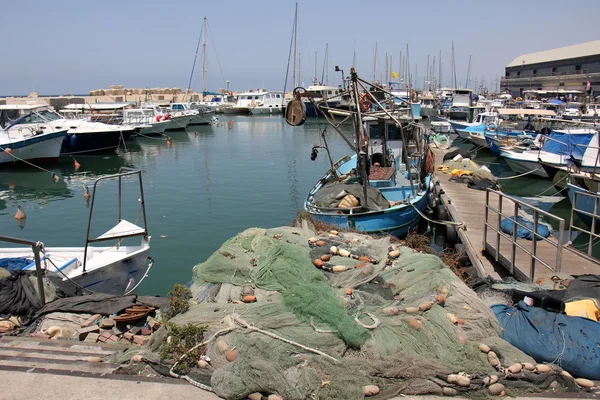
column 383, row 187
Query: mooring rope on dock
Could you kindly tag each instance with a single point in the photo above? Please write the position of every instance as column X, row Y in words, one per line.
column 518, row 176
column 448, row 223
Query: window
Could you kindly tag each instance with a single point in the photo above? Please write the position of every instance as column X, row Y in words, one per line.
column 534, row 71
column 507, row 74
column 578, row 67
column 518, row 73
column 553, row 69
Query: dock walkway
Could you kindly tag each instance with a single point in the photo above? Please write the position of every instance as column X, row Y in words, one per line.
column 469, row 207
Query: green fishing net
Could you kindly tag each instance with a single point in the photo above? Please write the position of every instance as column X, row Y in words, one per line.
column 317, row 334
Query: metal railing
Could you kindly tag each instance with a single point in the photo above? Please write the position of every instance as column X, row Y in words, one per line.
column 583, row 213
column 513, row 240
column 36, row 247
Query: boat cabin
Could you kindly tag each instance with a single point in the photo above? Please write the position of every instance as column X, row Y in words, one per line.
column 260, row 98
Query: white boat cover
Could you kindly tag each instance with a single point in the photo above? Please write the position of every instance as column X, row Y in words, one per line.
column 123, row 228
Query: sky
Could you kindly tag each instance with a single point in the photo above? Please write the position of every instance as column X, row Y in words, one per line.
column 61, row 47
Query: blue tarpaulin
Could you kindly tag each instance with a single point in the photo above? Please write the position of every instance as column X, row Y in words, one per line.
column 571, row 342
column 565, row 143
column 15, row 263
column 507, row 226
column 556, row 101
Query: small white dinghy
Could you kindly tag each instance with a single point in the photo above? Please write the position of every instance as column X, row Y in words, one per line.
column 118, row 269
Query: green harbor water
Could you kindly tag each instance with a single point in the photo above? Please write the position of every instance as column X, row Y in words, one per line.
column 209, row 184
column 203, row 187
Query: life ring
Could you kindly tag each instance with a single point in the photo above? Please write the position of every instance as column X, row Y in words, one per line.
column 491, row 127
column 365, row 103
column 414, row 96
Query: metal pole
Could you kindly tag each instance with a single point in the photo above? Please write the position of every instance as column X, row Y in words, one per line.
column 38, row 268
column 485, row 221
column 533, row 245
column 561, row 234
column 498, row 227
column 514, row 240
column 593, row 227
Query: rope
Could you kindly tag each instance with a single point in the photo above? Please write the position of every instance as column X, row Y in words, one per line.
column 150, row 137
column 449, row 223
column 518, row 176
column 375, row 324
column 27, row 162
column 552, row 186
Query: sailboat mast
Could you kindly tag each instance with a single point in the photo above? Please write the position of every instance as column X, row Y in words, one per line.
column 315, row 73
column 204, row 58
column 324, row 77
column 440, row 71
column 375, row 63
column 295, row 34
column 468, row 73
column 454, row 86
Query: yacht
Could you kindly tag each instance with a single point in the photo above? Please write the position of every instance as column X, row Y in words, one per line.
column 82, row 136
column 217, row 102
column 198, row 116
column 263, row 101
column 329, row 97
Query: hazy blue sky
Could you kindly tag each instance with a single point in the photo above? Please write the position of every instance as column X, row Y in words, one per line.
column 75, row 46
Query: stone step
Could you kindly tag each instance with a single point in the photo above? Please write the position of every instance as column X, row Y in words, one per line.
column 35, row 363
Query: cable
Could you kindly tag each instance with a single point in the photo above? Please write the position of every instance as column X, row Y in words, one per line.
column 518, row 176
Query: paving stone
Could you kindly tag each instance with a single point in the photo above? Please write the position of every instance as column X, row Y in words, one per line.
column 91, row 320
column 141, row 340
column 107, row 323
column 92, row 337
column 83, row 332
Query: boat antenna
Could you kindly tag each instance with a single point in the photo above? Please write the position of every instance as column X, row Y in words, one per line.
column 193, row 66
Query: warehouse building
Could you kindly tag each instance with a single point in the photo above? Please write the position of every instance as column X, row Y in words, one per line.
column 571, row 70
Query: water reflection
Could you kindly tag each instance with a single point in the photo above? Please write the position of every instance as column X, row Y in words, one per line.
column 31, row 186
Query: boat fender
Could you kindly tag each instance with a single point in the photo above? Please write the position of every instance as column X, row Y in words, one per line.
column 441, row 212
column 432, row 200
column 491, row 127
column 73, row 141
column 167, row 117
column 451, row 235
column 158, row 118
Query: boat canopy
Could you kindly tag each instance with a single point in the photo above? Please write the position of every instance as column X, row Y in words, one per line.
column 566, row 144
column 524, row 111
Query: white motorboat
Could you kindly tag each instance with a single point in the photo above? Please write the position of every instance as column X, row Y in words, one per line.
column 264, row 101
column 31, row 146
column 197, row 116
column 151, row 122
column 118, row 269
column 83, row 136
column 270, row 103
column 577, row 148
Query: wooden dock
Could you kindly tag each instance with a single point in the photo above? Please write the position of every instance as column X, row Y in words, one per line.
column 468, row 206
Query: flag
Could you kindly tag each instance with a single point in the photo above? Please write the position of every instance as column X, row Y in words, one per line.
column 394, row 75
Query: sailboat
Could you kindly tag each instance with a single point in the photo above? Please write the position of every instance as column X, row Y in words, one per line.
column 382, row 188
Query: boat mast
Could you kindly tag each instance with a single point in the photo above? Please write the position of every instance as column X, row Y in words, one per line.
column 294, row 30
column 440, row 72
column 407, row 69
column 204, row 59
column 187, row 92
column 315, row 73
column 361, row 141
column 468, row 73
column 453, row 68
column 324, row 75
column 375, row 63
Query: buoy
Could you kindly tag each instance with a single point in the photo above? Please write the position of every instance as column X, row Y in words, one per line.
column 169, row 143
column 55, row 178
column 11, row 185
column 8, row 150
column 230, row 124
column 76, row 164
column 20, row 214
column 86, row 193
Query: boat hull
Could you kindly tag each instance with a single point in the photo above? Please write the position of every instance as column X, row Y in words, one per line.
column 523, row 166
column 93, row 142
column 396, row 221
column 42, row 148
column 157, row 128
column 177, row 123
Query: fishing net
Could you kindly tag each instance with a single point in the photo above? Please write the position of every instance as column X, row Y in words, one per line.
column 321, row 334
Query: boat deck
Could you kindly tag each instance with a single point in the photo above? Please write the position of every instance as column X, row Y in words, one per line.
column 469, row 206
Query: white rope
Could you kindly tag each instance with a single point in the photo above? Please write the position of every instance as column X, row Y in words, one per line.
column 449, row 223
column 518, row 176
